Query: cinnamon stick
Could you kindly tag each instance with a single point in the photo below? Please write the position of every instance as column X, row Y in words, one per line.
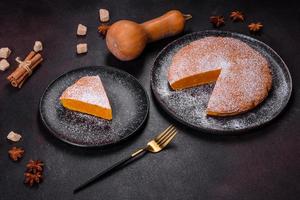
column 25, row 68
column 33, row 67
column 18, row 73
column 30, row 55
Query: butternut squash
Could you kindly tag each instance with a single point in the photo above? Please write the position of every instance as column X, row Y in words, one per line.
column 126, row 39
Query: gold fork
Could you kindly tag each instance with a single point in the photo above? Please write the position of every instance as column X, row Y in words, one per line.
column 153, row 146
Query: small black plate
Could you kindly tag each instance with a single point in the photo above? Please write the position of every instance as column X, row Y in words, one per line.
column 128, row 99
column 189, row 106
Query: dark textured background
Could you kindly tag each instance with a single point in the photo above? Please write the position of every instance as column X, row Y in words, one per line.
column 263, row 164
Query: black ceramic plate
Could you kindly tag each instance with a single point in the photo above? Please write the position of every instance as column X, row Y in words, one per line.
column 128, row 99
column 189, row 106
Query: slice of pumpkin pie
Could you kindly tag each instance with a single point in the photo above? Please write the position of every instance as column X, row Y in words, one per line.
column 87, row 95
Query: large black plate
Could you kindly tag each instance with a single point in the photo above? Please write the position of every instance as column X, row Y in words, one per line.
column 128, row 99
column 188, row 106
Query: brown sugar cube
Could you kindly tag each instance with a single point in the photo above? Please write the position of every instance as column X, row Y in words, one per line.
column 81, row 48
column 38, row 46
column 4, row 65
column 81, row 30
column 13, row 136
column 104, row 15
column 4, row 52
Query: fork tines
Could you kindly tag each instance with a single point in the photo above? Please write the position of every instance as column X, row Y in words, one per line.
column 166, row 135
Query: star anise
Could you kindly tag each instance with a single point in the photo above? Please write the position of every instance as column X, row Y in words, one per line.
column 102, row 29
column 31, row 178
column 217, row 21
column 35, row 166
column 16, row 153
column 237, row 16
column 255, row 27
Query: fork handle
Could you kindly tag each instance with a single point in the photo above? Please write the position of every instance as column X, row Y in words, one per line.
column 108, row 170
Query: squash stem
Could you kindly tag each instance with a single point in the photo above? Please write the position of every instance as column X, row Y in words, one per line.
column 187, row 16
column 102, row 29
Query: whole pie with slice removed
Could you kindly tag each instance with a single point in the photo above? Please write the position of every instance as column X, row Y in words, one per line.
column 242, row 75
column 87, row 95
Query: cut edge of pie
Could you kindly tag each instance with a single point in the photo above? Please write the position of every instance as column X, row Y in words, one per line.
column 87, row 95
column 196, row 80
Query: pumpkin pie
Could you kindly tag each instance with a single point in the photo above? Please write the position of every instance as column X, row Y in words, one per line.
column 241, row 74
column 87, row 95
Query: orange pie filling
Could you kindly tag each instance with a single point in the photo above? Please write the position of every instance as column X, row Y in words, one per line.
column 196, row 80
column 87, row 95
column 91, row 109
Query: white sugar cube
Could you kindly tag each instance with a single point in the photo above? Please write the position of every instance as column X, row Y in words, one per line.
column 38, row 46
column 4, row 52
column 15, row 137
column 81, row 48
column 4, row 65
column 81, row 29
column 104, row 15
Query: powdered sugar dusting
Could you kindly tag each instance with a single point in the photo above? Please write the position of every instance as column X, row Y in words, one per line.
column 245, row 77
column 88, row 89
column 127, row 98
column 189, row 105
